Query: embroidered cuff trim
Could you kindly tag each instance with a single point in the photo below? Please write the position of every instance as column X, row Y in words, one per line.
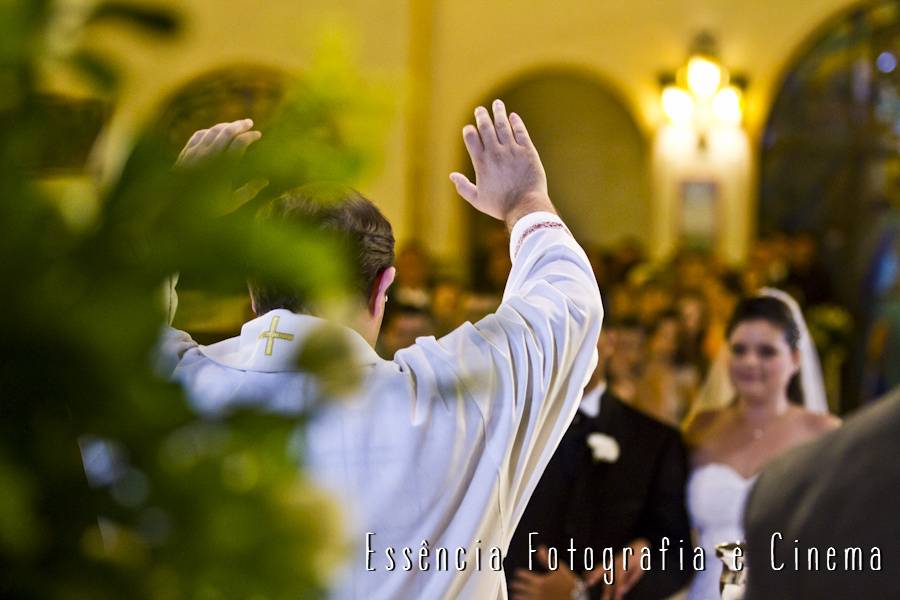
column 538, row 227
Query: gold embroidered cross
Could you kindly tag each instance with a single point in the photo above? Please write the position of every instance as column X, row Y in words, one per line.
column 273, row 334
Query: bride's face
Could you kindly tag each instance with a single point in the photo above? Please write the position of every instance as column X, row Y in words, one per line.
column 762, row 362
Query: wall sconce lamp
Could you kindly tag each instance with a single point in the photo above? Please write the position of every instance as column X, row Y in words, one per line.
column 703, row 93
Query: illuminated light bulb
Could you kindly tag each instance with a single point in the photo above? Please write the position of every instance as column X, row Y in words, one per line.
column 726, row 105
column 677, row 104
column 703, row 76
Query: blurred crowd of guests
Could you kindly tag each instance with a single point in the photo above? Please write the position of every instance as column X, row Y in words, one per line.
column 666, row 321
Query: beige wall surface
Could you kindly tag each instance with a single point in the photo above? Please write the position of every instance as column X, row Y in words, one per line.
column 444, row 56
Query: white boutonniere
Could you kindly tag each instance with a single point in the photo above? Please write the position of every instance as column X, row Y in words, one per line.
column 603, row 447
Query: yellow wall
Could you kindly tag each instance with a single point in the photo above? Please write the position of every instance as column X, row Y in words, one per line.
column 282, row 33
column 457, row 52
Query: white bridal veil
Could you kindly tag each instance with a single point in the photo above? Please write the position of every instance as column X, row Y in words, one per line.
column 717, row 391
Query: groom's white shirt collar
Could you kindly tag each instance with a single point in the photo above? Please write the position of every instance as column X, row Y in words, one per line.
column 272, row 343
column 590, row 402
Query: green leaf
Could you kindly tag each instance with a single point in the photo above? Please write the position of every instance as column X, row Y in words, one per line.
column 97, row 70
column 154, row 20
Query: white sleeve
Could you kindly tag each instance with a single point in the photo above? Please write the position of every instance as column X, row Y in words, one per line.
column 527, row 364
column 171, row 347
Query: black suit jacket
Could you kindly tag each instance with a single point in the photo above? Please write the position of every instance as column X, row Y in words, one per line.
column 841, row 490
column 602, row 504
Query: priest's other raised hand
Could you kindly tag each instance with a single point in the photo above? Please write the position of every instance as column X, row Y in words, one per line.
column 222, row 138
column 509, row 177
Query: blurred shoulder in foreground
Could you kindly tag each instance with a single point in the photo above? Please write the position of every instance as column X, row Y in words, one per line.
column 837, row 492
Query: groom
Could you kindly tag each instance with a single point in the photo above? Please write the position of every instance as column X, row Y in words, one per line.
column 617, row 480
column 440, row 448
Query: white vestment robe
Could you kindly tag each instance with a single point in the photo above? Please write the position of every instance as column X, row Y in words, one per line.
column 444, row 443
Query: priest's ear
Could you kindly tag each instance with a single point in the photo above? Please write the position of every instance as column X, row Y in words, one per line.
column 378, row 295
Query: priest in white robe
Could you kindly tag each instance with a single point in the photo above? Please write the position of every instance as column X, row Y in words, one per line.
column 440, row 448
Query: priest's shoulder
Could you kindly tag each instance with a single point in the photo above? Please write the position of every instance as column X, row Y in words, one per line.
column 173, row 347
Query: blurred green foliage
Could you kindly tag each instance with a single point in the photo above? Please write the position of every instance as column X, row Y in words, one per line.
column 162, row 504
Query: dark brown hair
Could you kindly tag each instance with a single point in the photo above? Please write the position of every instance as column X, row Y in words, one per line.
column 766, row 308
column 778, row 314
column 339, row 209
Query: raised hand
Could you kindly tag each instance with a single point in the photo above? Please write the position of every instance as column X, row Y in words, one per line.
column 224, row 138
column 509, row 177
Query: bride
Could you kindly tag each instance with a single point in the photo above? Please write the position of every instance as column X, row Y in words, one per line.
column 763, row 397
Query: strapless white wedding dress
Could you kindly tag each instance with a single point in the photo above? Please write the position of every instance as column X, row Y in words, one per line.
column 716, row 495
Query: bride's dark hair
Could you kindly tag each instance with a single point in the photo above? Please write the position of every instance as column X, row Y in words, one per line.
column 778, row 314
